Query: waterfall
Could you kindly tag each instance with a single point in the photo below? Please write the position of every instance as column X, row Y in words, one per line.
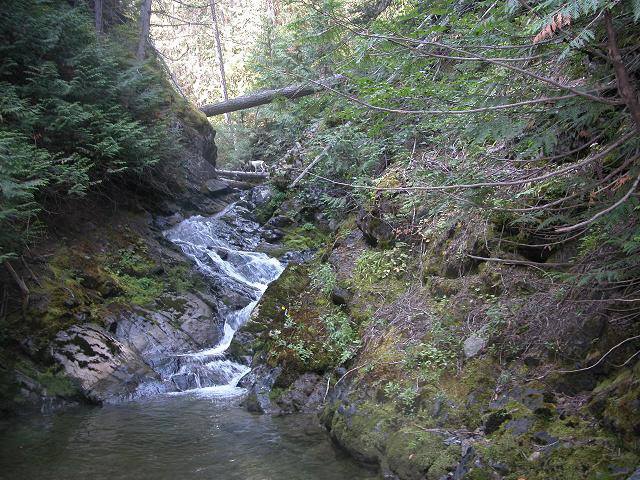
column 221, row 248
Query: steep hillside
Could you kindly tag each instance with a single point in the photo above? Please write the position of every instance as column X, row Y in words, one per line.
column 94, row 146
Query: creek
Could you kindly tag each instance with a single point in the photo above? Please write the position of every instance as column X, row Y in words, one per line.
column 199, row 431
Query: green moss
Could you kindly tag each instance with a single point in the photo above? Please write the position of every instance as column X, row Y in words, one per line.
column 140, row 290
column 57, row 384
column 299, row 329
column 363, row 429
column 616, row 402
column 414, row 454
column 266, row 211
column 53, row 381
column 305, row 237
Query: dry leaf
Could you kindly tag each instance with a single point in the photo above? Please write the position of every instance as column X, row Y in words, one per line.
column 557, row 23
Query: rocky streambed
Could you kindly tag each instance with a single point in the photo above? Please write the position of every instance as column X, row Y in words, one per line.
column 171, row 404
column 179, row 343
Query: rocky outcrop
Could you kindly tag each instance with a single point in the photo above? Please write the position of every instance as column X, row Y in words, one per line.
column 306, row 394
column 106, row 370
column 374, row 229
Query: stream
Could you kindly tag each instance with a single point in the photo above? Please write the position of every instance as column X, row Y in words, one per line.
column 199, row 431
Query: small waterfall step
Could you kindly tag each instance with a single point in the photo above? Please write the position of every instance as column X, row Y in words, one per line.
column 222, row 249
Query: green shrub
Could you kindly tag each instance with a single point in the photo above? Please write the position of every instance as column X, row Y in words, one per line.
column 77, row 114
column 324, row 278
column 373, row 266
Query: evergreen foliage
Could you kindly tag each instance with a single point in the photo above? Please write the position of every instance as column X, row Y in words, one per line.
column 519, row 101
column 77, row 114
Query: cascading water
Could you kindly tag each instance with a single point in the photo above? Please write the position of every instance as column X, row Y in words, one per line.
column 221, row 247
column 172, row 436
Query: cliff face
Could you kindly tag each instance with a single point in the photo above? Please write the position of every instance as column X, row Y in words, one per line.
column 430, row 363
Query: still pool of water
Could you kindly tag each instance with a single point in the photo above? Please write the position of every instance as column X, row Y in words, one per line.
column 171, row 437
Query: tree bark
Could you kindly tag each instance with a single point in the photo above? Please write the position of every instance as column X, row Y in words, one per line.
column 98, row 16
column 145, row 25
column 625, row 87
column 240, row 175
column 267, row 96
column 223, row 77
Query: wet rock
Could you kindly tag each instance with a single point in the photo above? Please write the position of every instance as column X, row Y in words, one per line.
column 297, row 257
column 106, row 370
column 259, row 383
column 235, row 300
column 340, row 296
column 163, row 223
column 304, row 395
column 244, row 203
column 279, row 221
column 272, row 235
column 215, row 186
column 271, row 249
column 261, row 195
column 473, row 346
column 184, row 323
column 635, row 475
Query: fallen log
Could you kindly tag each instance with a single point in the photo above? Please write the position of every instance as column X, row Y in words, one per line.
column 243, row 176
column 263, row 97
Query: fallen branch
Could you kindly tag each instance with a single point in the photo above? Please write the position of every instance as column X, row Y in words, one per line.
column 602, row 212
column 520, row 262
column 595, row 364
column 17, row 278
column 240, row 175
column 309, row 167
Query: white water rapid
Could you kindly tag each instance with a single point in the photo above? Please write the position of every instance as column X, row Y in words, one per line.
column 221, row 247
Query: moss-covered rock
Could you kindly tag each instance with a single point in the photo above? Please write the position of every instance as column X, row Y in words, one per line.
column 415, row 454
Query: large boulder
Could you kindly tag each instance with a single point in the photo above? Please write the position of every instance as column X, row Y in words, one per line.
column 186, row 323
column 375, row 230
column 215, row 186
column 305, row 394
column 261, row 195
column 106, row 370
column 259, row 383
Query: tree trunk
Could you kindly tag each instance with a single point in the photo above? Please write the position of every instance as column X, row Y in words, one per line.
column 223, row 77
column 145, row 24
column 625, row 87
column 240, row 175
column 267, row 96
column 98, row 16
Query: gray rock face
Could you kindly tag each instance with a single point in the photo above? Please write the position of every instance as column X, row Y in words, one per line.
column 106, row 370
column 635, row 475
column 216, row 186
column 138, row 351
column 279, row 221
column 473, row 346
column 304, row 395
column 261, row 195
column 154, row 335
column 260, row 382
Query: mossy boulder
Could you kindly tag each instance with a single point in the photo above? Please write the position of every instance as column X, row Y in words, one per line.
column 362, row 429
column 415, row 454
